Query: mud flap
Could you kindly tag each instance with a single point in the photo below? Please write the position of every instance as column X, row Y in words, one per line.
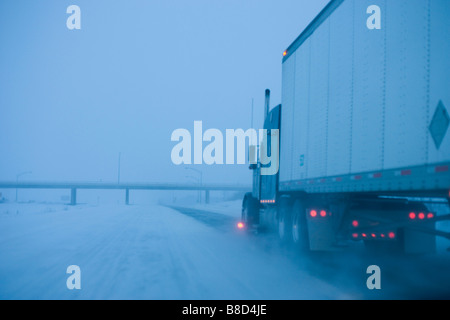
column 322, row 236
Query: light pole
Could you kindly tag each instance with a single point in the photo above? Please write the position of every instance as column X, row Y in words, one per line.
column 17, row 180
column 201, row 180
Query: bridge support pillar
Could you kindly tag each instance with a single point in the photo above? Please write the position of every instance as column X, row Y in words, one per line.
column 206, row 196
column 127, row 196
column 73, row 197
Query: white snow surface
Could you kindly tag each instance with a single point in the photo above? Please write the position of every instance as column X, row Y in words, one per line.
column 140, row 252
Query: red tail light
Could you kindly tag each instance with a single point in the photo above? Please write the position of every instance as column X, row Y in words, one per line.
column 355, row 223
column 374, row 235
column 430, row 215
column 313, row 213
column 391, row 235
column 323, row 213
column 421, row 216
column 412, row 215
column 355, row 235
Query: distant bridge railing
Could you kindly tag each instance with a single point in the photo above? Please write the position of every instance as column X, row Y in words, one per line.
column 73, row 186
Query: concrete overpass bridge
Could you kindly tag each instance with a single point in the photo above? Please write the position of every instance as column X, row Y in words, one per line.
column 127, row 187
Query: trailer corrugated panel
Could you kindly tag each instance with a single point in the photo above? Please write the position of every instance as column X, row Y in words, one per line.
column 301, row 113
column 368, row 86
column 406, row 124
column 439, row 74
column 340, row 102
column 359, row 103
column 286, row 119
column 316, row 156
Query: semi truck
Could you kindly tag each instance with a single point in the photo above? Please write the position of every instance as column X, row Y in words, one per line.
column 363, row 130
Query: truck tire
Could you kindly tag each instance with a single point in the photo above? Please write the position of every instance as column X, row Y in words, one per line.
column 299, row 226
column 284, row 220
column 250, row 211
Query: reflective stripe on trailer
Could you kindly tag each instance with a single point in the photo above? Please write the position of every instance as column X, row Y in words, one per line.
column 406, row 172
column 414, row 173
column 438, row 169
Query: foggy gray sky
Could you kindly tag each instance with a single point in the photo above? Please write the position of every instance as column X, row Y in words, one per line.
column 70, row 101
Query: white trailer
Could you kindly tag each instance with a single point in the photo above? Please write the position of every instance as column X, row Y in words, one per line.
column 364, row 127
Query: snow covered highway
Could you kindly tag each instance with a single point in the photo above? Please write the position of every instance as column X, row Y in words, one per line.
column 137, row 252
column 155, row 252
